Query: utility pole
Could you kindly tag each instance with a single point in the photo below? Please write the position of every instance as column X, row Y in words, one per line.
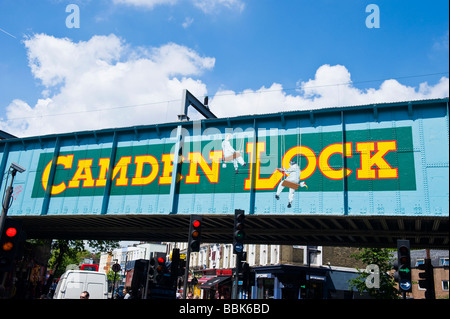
column 194, row 239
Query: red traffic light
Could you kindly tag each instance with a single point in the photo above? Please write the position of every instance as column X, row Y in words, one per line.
column 161, row 260
column 195, row 229
column 8, row 246
column 11, row 232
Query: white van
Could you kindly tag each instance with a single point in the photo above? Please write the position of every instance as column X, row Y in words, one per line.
column 73, row 282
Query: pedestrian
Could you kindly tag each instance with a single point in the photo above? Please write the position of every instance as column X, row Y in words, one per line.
column 127, row 294
column 52, row 288
column 84, row 295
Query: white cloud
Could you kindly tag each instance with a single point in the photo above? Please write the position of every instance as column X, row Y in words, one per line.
column 104, row 83
column 442, row 43
column 187, row 22
column 207, row 6
column 145, row 3
column 90, row 84
column 331, row 87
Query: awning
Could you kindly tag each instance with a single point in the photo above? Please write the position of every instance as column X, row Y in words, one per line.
column 202, row 280
column 214, row 282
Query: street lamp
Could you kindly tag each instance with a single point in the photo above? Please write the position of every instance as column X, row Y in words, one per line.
column 7, row 196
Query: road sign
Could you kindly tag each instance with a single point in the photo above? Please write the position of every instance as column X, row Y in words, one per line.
column 116, row 267
column 239, row 247
column 405, row 285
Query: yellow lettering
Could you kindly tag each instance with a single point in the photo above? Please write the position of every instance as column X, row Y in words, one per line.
column 83, row 173
column 368, row 160
column 166, row 177
column 121, row 170
column 65, row 161
column 260, row 183
column 104, row 165
column 140, row 161
column 307, row 153
column 211, row 172
column 324, row 158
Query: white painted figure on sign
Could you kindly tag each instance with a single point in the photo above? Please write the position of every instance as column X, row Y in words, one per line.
column 292, row 181
column 230, row 154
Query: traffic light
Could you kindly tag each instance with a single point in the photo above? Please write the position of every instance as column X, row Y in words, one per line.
column 195, row 233
column 238, row 232
column 426, row 280
column 152, row 270
column 161, row 268
column 9, row 243
column 174, row 266
column 404, row 265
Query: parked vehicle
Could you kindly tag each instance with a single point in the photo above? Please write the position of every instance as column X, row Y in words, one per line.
column 91, row 267
column 73, row 282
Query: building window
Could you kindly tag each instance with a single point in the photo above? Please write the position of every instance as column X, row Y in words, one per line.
column 443, row 261
column 274, row 254
column 251, row 255
column 263, row 254
column 445, row 284
column 203, row 257
column 313, row 254
column 226, row 256
column 420, row 262
column 265, row 288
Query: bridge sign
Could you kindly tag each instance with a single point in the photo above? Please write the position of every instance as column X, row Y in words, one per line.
column 376, row 161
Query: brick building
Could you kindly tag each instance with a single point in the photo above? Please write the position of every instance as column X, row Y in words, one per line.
column 281, row 271
column 440, row 262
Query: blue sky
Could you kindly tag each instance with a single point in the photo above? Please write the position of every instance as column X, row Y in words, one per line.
column 132, row 58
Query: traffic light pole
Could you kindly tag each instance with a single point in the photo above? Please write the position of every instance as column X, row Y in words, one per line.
column 238, row 245
column 236, row 275
column 404, row 266
column 186, row 271
column 7, row 201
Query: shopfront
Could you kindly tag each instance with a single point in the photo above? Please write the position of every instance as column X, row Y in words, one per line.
column 215, row 284
column 290, row 282
column 265, row 284
column 217, row 288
